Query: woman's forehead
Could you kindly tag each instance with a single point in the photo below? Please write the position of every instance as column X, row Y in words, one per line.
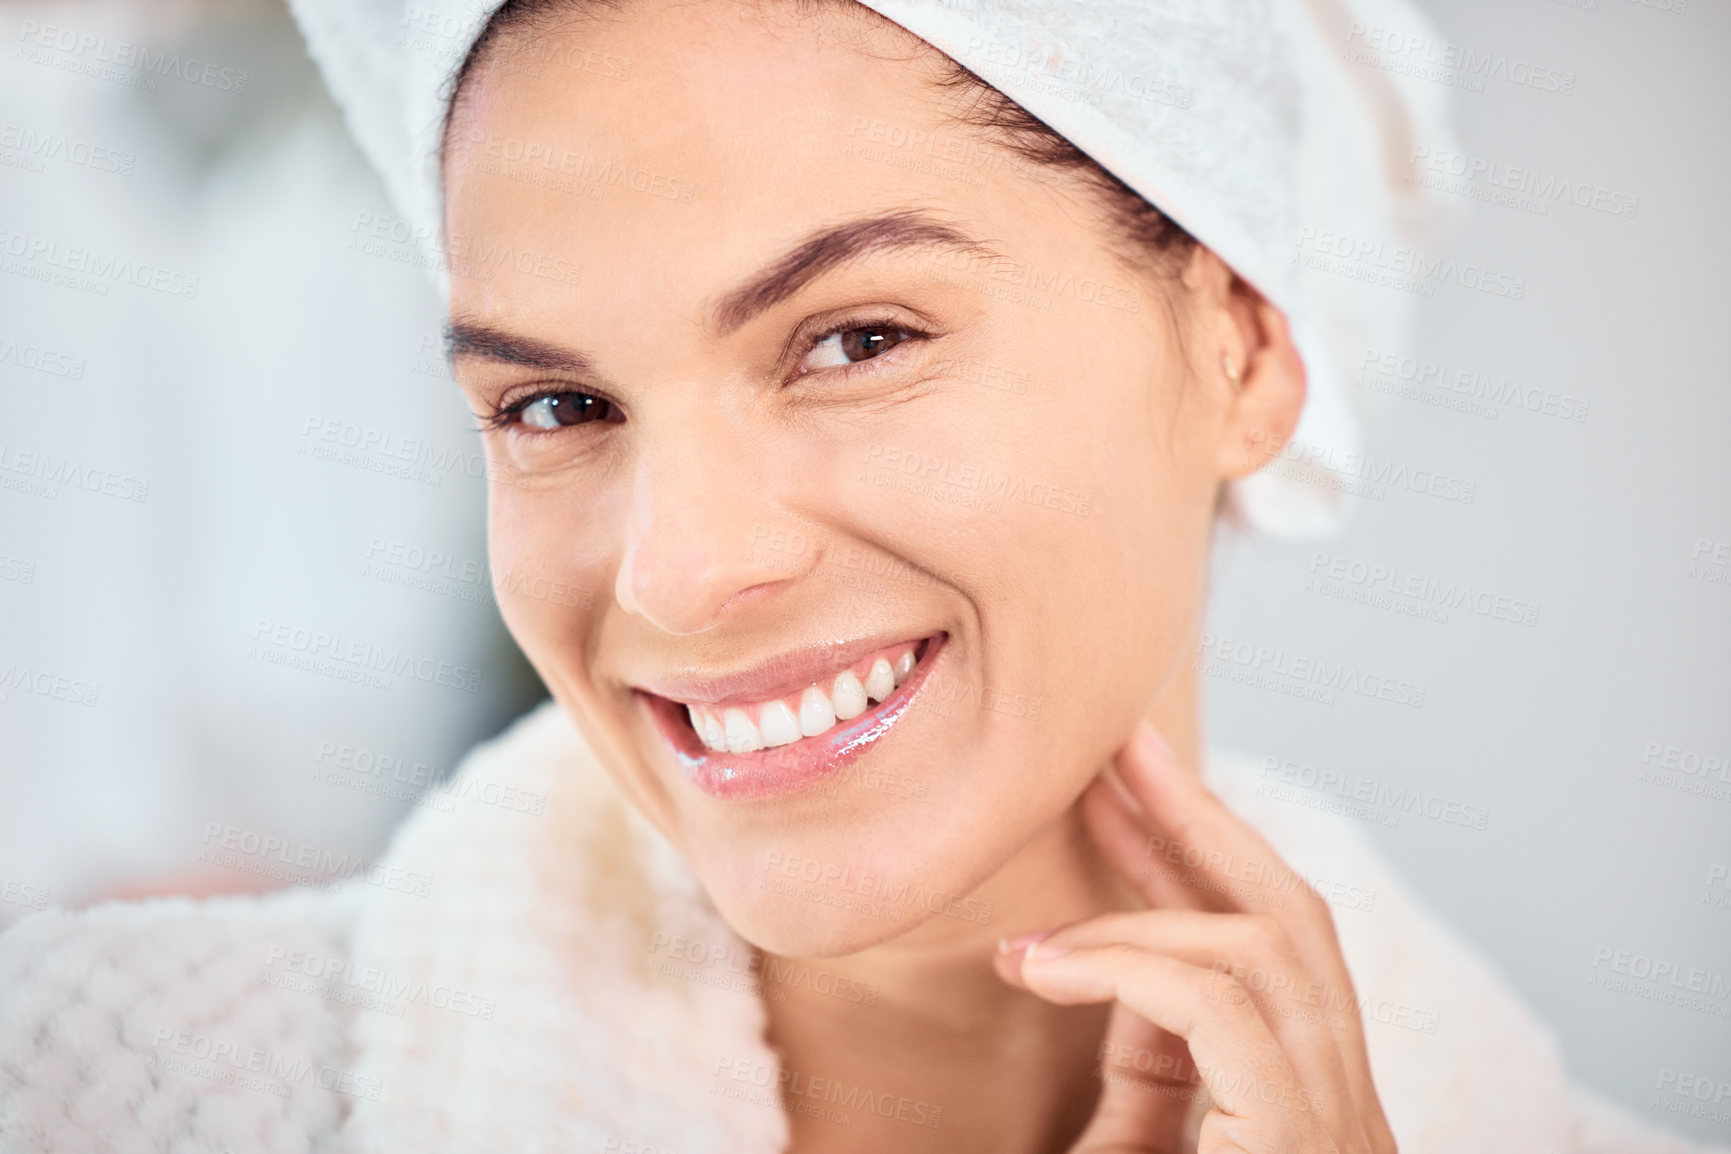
column 706, row 60
column 696, row 171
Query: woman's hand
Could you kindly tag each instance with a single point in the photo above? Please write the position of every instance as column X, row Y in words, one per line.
column 1232, row 982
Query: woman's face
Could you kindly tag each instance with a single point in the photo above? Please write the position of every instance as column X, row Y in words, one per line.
column 793, row 374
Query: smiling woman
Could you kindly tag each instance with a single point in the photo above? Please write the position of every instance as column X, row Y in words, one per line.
column 741, row 365
column 877, row 808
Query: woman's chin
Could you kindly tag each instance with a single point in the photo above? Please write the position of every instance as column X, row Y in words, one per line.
column 793, row 927
column 829, row 895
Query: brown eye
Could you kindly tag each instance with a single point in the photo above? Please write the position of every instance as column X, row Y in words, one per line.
column 850, row 346
column 864, row 344
column 556, row 410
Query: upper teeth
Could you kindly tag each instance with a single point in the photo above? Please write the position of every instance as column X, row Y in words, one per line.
column 814, row 710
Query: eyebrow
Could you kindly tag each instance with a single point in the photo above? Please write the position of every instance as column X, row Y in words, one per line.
column 475, row 339
column 812, row 258
column 831, row 247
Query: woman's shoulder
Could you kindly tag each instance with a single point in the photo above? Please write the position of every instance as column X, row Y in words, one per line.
column 172, row 1017
column 229, row 1018
column 226, row 1018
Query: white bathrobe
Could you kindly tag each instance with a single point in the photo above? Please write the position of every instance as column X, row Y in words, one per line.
column 504, row 981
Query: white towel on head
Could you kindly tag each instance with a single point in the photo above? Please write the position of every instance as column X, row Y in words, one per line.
column 1252, row 123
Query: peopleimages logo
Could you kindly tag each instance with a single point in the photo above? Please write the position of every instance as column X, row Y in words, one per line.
column 580, row 168
column 39, row 146
column 334, row 976
column 38, row 255
column 1670, row 766
column 1429, row 58
column 1544, row 188
column 301, row 863
column 1703, row 1089
column 1393, row 799
column 127, row 55
column 1219, row 656
column 707, row 963
column 31, row 897
column 43, row 683
column 387, row 451
column 268, row 1071
column 359, row 656
column 55, row 471
column 1373, row 579
column 842, row 881
column 41, row 360
column 1466, row 384
column 784, row 1086
column 943, row 474
column 1661, row 980
column 1372, row 475
column 1373, row 261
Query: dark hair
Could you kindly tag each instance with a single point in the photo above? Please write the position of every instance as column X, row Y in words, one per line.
column 1163, row 244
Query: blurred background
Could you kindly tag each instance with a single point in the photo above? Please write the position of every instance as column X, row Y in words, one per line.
column 243, row 570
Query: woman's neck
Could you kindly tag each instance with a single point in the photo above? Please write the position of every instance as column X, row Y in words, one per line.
column 943, row 1032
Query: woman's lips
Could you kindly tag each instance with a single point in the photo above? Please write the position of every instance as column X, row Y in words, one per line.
column 735, row 763
column 807, row 710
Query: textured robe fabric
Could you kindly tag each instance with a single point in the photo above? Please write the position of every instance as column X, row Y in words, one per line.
column 497, row 983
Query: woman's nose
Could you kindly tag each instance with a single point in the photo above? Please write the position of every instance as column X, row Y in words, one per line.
column 689, row 552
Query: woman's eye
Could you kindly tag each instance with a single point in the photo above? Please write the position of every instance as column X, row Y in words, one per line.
column 556, row 410
column 849, row 346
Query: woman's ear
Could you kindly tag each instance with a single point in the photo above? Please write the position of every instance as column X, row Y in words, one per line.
column 1248, row 347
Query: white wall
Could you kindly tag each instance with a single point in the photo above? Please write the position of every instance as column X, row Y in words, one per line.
column 147, row 601
column 1595, row 522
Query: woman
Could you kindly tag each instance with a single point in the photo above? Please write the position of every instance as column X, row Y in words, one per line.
column 884, row 492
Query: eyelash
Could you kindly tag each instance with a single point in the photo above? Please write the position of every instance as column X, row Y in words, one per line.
column 868, row 321
column 505, row 415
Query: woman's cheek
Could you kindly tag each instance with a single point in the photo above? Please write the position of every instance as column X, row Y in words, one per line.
column 548, row 563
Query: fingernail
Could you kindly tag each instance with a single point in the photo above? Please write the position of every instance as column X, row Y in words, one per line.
column 1047, row 951
column 1021, row 941
column 1122, row 790
column 1156, row 743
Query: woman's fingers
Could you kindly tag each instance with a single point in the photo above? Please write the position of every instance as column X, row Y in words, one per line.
column 1234, row 1054
column 1150, row 1100
column 1123, row 837
column 1220, row 864
column 1150, row 1097
column 1249, row 956
column 1193, row 830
